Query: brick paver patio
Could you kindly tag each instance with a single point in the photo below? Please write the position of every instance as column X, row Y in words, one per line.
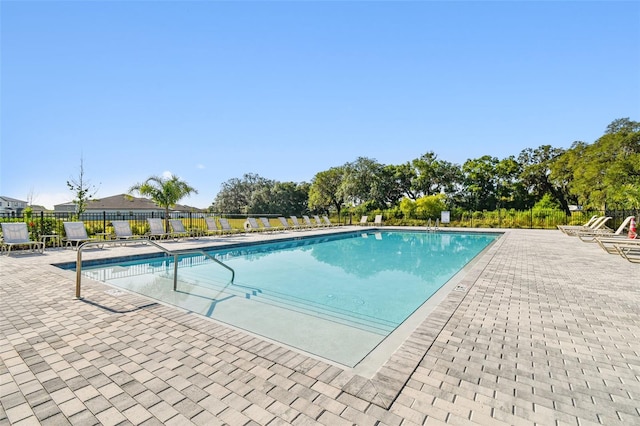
column 546, row 330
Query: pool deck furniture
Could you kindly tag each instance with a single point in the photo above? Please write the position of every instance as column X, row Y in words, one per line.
column 76, row 234
column 598, row 224
column 251, row 225
column 364, row 221
column 16, row 234
column 629, row 249
column 266, row 225
column 179, row 231
column 584, row 226
column 157, row 231
column 212, row 227
column 284, row 223
column 122, row 231
column 226, row 228
column 297, row 224
column 590, row 236
column 378, row 220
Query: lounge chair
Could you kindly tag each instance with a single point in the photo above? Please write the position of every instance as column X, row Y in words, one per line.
column 156, row 229
column 212, row 226
column 597, row 224
column 327, row 222
column 629, row 249
column 364, row 221
column 17, row 234
column 76, row 234
column 122, row 229
column 285, row 223
column 584, row 226
column 267, row 225
column 378, row 220
column 319, row 221
column 251, row 225
column 178, row 230
column 608, row 243
column 297, row 224
column 308, row 222
column 590, row 236
column 226, row 227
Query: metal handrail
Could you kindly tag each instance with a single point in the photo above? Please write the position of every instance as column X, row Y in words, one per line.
column 175, row 255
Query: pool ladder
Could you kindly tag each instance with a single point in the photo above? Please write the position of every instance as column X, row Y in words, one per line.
column 175, row 253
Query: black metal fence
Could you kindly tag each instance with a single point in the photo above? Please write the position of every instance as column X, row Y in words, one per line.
column 48, row 223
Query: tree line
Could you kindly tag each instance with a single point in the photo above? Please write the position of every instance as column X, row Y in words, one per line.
column 602, row 175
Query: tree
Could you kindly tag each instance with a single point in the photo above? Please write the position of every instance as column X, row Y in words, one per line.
column 240, row 196
column 325, row 192
column 82, row 188
column 600, row 174
column 164, row 191
column 434, row 176
column 536, row 174
column 358, row 180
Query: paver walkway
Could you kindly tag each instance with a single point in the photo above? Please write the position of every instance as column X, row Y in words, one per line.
column 546, row 331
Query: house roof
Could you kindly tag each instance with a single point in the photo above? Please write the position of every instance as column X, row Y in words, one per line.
column 125, row 202
column 13, row 200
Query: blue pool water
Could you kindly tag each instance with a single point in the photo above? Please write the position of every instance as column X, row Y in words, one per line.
column 335, row 296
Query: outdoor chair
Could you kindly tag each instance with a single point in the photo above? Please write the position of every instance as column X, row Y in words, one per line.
column 284, row 222
column 212, row 227
column 179, row 230
column 267, row 225
column 122, row 230
column 378, row 220
column 76, row 234
column 584, row 226
column 226, row 227
column 251, row 225
column 590, row 236
column 156, row 229
column 297, row 224
column 597, row 224
column 364, row 220
column 17, row 234
column 629, row 249
column 308, row 222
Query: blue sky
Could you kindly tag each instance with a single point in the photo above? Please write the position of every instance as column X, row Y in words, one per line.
column 211, row 90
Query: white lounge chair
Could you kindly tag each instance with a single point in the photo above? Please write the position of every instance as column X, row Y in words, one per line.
column 308, row 222
column 629, row 249
column 590, row 236
column 284, row 223
column 597, row 224
column 156, row 229
column 212, row 226
column 319, row 222
column 327, row 222
column 122, row 230
column 378, row 220
column 297, row 224
column 251, row 225
column 584, row 226
column 226, row 228
column 364, row 220
column 178, row 230
column 17, row 234
column 76, row 234
column 266, row 224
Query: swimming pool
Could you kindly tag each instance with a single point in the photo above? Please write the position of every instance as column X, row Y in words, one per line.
column 335, row 296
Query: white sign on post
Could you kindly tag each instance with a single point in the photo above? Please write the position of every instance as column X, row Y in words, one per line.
column 445, row 216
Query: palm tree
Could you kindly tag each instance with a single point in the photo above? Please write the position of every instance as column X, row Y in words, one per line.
column 164, row 191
